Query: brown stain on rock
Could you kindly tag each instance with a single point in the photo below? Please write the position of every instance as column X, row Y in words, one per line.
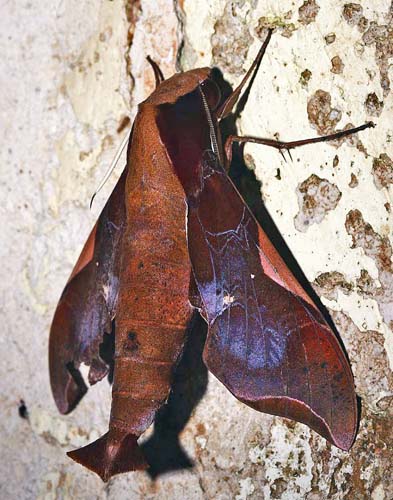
column 83, row 155
column 337, row 65
column 363, row 24
column 354, row 181
column 305, row 77
column 201, row 429
column 372, row 458
column 278, row 488
column 370, row 364
column 382, row 171
column 366, row 285
column 330, row 38
column 324, row 118
column 352, row 13
column 374, row 245
column 316, row 198
column 105, row 36
column 329, row 283
column 379, row 249
column 321, row 114
column 308, row 12
column 373, row 105
column 381, row 36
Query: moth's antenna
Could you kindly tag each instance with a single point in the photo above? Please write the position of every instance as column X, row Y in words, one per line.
column 111, row 167
column 213, row 138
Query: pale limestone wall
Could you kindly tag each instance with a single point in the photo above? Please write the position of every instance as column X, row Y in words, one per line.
column 70, row 72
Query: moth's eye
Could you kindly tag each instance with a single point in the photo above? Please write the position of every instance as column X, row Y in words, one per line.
column 211, row 92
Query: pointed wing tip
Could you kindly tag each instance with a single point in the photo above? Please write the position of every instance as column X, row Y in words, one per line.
column 344, row 442
column 67, row 397
column 64, row 407
column 67, row 384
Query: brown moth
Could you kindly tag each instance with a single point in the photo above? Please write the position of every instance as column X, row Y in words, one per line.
column 175, row 238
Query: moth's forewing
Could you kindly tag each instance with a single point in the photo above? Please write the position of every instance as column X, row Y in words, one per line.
column 87, row 307
column 267, row 342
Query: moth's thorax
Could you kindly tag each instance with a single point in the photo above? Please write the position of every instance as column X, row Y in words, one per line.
column 189, row 132
column 178, row 85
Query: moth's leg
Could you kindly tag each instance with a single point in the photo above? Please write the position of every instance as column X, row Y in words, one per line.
column 281, row 145
column 157, row 71
column 227, row 106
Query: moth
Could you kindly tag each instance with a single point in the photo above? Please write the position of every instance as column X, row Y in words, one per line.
column 174, row 237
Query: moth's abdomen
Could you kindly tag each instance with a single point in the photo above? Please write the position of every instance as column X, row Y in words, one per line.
column 151, row 326
column 154, row 309
column 149, row 335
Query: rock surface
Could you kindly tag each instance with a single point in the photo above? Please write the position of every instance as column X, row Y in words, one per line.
column 71, row 72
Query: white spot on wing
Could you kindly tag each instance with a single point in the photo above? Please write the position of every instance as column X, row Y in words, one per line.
column 105, row 290
column 228, row 299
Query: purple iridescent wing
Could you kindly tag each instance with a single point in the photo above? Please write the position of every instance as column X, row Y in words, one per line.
column 267, row 341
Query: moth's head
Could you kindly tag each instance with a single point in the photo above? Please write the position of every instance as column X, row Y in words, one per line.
column 181, row 84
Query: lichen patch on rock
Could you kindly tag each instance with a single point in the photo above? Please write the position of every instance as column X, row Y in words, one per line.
column 352, row 13
column 231, row 38
column 328, row 284
column 308, row 12
column 366, row 285
column 381, row 36
column 337, row 65
column 383, row 171
column 321, row 114
column 316, row 198
column 305, row 77
column 373, row 105
column 379, row 249
column 287, row 462
column 354, row 181
column 281, row 24
column 370, row 364
column 330, row 38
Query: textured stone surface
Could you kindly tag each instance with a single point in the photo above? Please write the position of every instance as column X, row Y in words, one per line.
column 70, row 73
column 316, row 198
